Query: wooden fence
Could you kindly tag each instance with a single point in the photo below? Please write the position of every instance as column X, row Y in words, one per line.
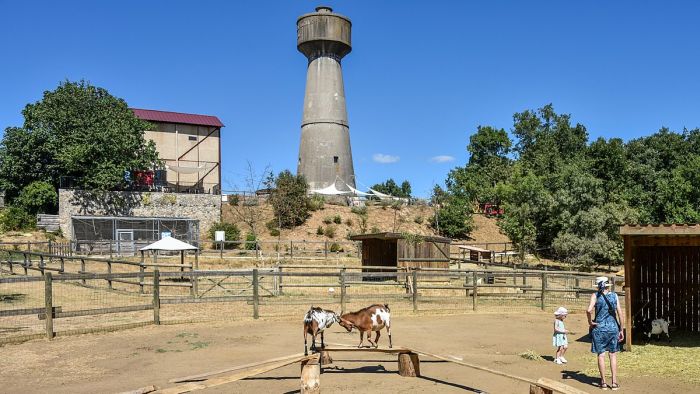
column 281, row 290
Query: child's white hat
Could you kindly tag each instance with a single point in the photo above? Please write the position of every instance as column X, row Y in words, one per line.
column 602, row 279
column 561, row 311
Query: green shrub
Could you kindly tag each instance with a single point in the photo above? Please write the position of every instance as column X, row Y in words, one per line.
column 327, row 220
column 336, row 248
column 16, row 219
column 275, row 232
column 418, row 219
column 316, row 203
column 359, row 210
column 232, row 234
column 375, row 229
column 348, row 222
column 250, row 242
column 329, row 231
column 289, row 198
column 38, row 197
column 234, row 199
column 337, row 219
column 319, row 230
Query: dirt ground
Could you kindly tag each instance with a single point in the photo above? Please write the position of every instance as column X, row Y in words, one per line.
column 130, row 359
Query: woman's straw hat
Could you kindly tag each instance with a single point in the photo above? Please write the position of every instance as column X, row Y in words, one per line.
column 602, row 279
column 561, row 311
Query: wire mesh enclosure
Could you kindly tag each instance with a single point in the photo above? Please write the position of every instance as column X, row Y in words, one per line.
column 130, row 232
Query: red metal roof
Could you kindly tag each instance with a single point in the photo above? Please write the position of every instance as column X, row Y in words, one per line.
column 177, row 117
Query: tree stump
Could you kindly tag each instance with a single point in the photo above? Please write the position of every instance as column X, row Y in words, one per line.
column 326, row 358
column 310, row 377
column 409, row 365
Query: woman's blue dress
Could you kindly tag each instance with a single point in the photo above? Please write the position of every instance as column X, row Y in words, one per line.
column 604, row 336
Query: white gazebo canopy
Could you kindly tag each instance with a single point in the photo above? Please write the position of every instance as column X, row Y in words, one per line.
column 171, row 244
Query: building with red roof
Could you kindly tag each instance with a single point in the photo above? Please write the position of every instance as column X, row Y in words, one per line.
column 190, row 146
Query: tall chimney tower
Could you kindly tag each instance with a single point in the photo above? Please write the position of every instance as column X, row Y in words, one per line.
column 324, row 153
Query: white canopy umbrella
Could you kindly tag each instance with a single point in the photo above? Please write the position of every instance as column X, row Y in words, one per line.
column 173, row 245
column 331, row 190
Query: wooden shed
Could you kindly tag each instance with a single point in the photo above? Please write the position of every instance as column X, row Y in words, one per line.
column 404, row 250
column 662, row 275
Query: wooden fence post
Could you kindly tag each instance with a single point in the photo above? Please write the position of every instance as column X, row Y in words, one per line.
column 142, row 270
column 475, row 287
column 156, row 296
column 279, row 284
column 256, row 295
column 27, row 261
column 48, row 303
column 291, row 249
column 221, row 250
column 342, row 290
column 41, row 264
column 578, row 285
column 109, row 271
column 110, row 250
column 63, row 264
column 195, row 280
column 415, row 290
column 544, row 289
column 325, row 250
column 82, row 269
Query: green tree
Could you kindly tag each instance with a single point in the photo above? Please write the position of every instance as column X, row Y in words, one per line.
column 38, row 197
column 289, row 199
column 391, row 188
column 16, row 219
column 453, row 215
column 77, row 130
column 231, row 234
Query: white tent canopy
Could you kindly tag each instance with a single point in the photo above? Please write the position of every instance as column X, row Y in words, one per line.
column 189, row 170
column 331, row 191
column 171, row 244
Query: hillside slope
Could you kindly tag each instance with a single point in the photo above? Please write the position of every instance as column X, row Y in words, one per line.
column 410, row 219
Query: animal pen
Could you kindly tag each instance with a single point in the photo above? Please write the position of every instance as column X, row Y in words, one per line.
column 662, row 275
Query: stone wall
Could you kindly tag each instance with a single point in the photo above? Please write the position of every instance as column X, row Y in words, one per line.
column 204, row 207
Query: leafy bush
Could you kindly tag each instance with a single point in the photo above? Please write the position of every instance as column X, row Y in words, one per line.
column 232, row 234
column 337, row 219
column 275, row 232
column 336, row 248
column 234, row 199
column 418, row 219
column 327, row 220
column 16, row 219
column 316, row 203
column 329, row 231
column 250, row 241
column 375, row 229
column 38, row 197
column 359, row 210
column 319, row 230
column 289, row 199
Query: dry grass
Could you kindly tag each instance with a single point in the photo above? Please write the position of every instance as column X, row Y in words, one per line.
column 677, row 360
column 531, row 355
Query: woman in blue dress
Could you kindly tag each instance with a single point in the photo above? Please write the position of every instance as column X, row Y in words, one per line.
column 606, row 334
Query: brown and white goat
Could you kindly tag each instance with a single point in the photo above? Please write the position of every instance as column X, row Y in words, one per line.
column 366, row 320
column 315, row 321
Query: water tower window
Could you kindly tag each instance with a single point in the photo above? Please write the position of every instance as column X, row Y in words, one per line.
column 193, row 138
column 335, row 159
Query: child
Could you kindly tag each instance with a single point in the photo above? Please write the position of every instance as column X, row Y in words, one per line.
column 559, row 339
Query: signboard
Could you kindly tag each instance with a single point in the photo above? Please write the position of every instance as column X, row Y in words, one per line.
column 165, row 234
column 220, row 236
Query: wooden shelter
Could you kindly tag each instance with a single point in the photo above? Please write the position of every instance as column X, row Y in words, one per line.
column 476, row 254
column 662, row 275
column 404, row 250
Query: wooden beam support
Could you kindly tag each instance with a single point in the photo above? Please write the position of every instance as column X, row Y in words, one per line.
column 409, row 365
column 311, row 376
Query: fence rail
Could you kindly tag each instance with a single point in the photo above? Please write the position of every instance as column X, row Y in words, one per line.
column 45, row 303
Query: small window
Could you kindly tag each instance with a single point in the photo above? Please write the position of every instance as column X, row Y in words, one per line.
column 193, row 138
column 335, row 159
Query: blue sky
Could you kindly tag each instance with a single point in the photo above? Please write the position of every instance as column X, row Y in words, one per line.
column 421, row 77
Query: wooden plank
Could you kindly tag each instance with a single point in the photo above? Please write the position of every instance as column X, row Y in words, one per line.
column 393, row 350
column 204, row 375
column 187, row 387
column 558, row 387
column 27, row 311
column 98, row 311
column 141, row 390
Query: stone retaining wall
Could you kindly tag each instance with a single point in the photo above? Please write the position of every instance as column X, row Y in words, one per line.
column 203, row 207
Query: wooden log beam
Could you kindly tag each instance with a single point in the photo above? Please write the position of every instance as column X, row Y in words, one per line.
column 205, row 375
column 557, row 387
column 311, row 376
column 409, row 365
column 187, row 387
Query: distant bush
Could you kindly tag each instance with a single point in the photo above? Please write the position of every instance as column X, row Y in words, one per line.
column 327, row 220
column 289, row 199
column 329, row 231
column 234, row 199
column 232, row 234
column 418, row 219
column 348, row 222
column 16, row 219
column 359, row 210
column 38, row 197
column 375, row 229
column 316, row 203
column 275, row 232
column 319, row 230
column 337, row 219
column 250, row 241
column 336, row 248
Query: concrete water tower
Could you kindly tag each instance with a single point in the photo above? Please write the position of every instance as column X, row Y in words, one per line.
column 324, row 153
